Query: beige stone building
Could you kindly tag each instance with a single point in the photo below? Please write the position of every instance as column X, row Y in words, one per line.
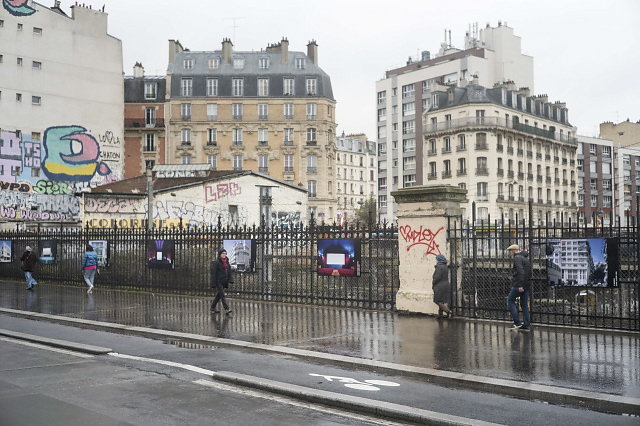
column 270, row 111
column 506, row 148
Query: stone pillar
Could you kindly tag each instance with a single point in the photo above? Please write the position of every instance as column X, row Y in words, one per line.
column 423, row 216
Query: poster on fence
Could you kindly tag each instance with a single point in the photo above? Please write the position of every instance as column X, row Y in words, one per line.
column 339, row 257
column 242, row 254
column 588, row 262
column 161, row 254
column 101, row 247
column 47, row 251
column 6, row 251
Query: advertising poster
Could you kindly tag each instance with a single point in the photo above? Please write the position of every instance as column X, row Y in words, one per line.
column 241, row 254
column 6, row 251
column 161, row 254
column 339, row 257
column 587, row 262
column 47, row 252
column 101, row 247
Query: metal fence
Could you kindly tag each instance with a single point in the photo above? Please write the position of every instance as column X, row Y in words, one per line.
column 482, row 266
column 285, row 262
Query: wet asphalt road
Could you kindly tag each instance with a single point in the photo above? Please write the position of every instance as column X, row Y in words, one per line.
column 150, row 391
column 597, row 361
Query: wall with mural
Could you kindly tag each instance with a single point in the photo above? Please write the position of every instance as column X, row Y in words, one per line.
column 38, row 179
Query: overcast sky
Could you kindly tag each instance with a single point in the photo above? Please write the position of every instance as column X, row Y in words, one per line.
column 586, row 52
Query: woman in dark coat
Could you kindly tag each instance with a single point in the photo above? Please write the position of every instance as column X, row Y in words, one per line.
column 442, row 287
column 221, row 276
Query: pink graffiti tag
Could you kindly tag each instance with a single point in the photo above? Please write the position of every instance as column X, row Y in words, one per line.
column 421, row 236
column 221, row 190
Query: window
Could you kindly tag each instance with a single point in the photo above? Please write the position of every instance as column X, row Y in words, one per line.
column 594, row 201
column 263, row 163
column 150, row 117
column 238, row 63
column 382, row 114
column 409, row 108
column 482, row 164
column 311, row 111
column 19, row 62
column 213, row 161
column 300, row 63
column 18, row 97
column 382, row 97
column 150, row 90
column 36, row 65
column 149, row 142
column 409, row 163
column 263, row 87
column 408, row 91
column 1, row 59
column 462, row 165
column 36, row 100
column 607, row 200
column 409, row 145
column 288, row 136
column 408, row 180
column 408, row 127
column 35, row 136
column 212, row 111
column 212, row 87
column 263, row 136
column 19, row 27
column 237, row 162
column 311, row 187
column 149, row 164
column 482, row 191
column 263, row 63
column 288, row 163
column 187, row 87
column 187, row 64
column 186, row 159
column 288, row 111
column 447, row 167
column 237, row 136
column 1, row 23
column 433, row 171
column 461, row 142
column 212, row 136
column 592, row 168
column 592, row 149
column 312, row 84
column 312, row 163
column 186, row 136
column 311, row 134
column 580, row 163
column 237, row 87
column 288, row 87
column 214, row 63
column 237, row 111
column 447, row 145
column 606, row 168
column 263, row 111
column 185, row 110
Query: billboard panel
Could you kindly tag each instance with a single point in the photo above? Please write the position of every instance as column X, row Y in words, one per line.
column 339, row 257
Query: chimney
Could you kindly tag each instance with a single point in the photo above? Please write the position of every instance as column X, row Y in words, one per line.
column 425, row 55
column 138, row 70
column 284, row 50
column 312, row 51
column 174, row 48
column 524, row 91
column 227, row 49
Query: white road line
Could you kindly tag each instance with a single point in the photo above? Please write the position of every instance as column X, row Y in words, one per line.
column 163, row 362
column 48, row 348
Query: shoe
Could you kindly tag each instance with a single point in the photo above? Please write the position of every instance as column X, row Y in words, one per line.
column 30, row 288
column 90, row 290
column 214, row 310
column 228, row 311
column 516, row 326
column 523, row 328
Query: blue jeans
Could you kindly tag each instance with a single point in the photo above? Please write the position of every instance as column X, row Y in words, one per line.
column 30, row 280
column 89, row 276
column 524, row 304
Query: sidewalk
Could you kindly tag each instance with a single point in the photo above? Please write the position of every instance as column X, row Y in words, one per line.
column 597, row 361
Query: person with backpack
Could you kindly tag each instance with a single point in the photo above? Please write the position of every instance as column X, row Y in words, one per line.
column 520, row 287
column 29, row 260
column 89, row 267
column 221, row 276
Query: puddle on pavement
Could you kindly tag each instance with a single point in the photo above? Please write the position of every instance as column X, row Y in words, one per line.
column 186, row 345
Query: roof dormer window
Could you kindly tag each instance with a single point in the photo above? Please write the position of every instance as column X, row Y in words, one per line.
column 263, row 63
column 238, row 63
column 187, row 64
column 300, row 63
column 214, row 63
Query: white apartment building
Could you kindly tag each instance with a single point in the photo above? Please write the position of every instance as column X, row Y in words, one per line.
column 506, row 148
column 61, row 97
column 356, row 174
column 491, row 55
column 573, row 257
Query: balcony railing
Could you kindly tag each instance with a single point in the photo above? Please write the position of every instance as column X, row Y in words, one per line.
column 431, row 152
column 482, row 171
column 237, row 116
column 500, row 147
column 446, row 174
column 520, row 152
column 482, row 147
column 500, row 198
column 312, row 170
column 432, row 176
column 573, row 183
column 565, row 182
column 483, row 197
column 263, row 169
column 142, row 123
column 538, row 156
column 186, row 118
column 529, row 154
column 212, row 143
column 493, row 122
column 529, row 176
column 520, row 175
column 510, row 173
column 556, row 181
column 287, row 143
column 288, row 169
column 547, row 157
column 446, row 150
column 539, row 178
column 461, row 147
column 312, row 143
column 311, row 116
column 263, row 117
column 509, row 150
column 556, row 159
column 462, row 172
column 263, row 143
column 500, row 172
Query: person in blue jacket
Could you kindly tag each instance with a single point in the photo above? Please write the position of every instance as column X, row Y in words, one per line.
column 89, row 267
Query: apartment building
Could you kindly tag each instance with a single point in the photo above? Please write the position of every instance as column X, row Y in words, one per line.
column 356, row 174
column 144, row 125
column 491, row 55
column 270, row 111
column 505, row 147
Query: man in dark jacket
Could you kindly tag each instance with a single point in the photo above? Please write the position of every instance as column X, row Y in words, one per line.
column 520, row 287
column 29, row 260
column 221, row 276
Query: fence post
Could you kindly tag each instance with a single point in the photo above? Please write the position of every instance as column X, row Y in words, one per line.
column 424, row 213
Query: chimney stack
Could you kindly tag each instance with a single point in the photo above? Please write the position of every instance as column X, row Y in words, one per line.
column 138, row 70
column 284, row 50
column 174, row 48
column 312, row 51
column 227, row 49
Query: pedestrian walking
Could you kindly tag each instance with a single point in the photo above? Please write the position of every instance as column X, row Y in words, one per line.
column 89, row 267
column 221, row 276
column 442, row 287
column 29, row 260
column 520, row 287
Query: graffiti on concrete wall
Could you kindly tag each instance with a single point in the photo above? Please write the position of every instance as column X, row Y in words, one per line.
column 285, row 219
column 222, row 190
column 113, row 205
column 421, row 236
column 35, row 206
column 18, row 7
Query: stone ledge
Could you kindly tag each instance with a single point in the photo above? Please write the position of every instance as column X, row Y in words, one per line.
column 430, row 193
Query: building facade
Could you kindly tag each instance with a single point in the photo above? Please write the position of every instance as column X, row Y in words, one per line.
column 506, row 148
column 491, row 55
column 270, row 111
column 356, row 174
column 61, row 125
column 144, row 126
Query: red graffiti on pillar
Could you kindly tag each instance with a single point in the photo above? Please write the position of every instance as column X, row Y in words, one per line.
column 422, row 236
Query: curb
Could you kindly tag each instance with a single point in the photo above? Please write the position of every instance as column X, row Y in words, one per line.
column 64, row 344
column 558, row 395
column 352, row 403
